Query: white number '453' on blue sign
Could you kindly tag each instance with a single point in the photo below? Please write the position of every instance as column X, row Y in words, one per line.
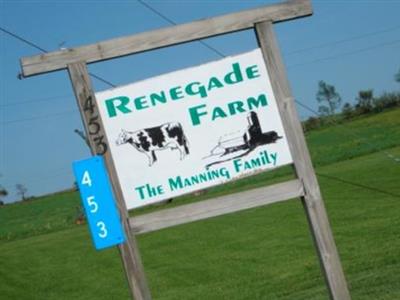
column 98, row 202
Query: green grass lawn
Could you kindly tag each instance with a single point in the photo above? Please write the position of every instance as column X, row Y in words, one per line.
column 47, row 214
column 365, row 135
column 262, row 253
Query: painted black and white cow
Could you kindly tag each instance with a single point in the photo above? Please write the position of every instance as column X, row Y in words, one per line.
column 149, row 140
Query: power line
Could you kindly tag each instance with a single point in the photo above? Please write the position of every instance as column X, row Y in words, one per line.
column 40, row 117
column 367, row 187
column 157, row 12
column 34, row 45
column 346, row 53
column 35, row 100
column 343, row 40
column 290, row 66
column 169, row 20
column 215, row 50
column 165, row 18
column 23, row 40
column 297, row 101
column 102, row 79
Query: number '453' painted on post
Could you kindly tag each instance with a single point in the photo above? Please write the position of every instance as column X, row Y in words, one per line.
column 98, row 202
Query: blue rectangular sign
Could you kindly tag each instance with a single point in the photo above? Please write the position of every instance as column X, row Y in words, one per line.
column 98, row 201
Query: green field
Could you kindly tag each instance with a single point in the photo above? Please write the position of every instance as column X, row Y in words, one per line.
column 262, row 253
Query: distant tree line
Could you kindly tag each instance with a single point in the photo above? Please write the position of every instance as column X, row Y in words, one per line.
column 329, row 101
column 21, row 191
column 3, row 193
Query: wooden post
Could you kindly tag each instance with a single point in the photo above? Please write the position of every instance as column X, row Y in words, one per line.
column 129, row 250
column 312, row 200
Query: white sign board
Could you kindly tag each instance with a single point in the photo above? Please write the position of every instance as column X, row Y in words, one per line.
column 194, row 128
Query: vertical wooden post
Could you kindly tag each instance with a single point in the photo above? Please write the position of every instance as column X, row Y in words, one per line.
column 312, row 201
column 129, row 250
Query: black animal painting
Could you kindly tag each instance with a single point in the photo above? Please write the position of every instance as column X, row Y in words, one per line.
column 246, row 143
column 149, row 140
column 254, row 136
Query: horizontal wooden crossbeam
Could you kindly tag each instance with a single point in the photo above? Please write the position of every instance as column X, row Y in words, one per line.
column 165, row 37
column 216, row 207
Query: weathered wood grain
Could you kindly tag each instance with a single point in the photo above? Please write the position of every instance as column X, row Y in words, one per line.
column 312, row 200
column 165, row 37
column 216, row 207
column 129, row 250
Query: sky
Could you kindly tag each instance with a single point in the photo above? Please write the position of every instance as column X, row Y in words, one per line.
column 353, row 45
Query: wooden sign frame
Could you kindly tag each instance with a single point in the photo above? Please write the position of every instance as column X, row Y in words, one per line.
column 305, row 186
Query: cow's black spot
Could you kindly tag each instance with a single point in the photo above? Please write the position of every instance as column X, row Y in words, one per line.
column 144, row 143
column 176, row 132
column 156, row 136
